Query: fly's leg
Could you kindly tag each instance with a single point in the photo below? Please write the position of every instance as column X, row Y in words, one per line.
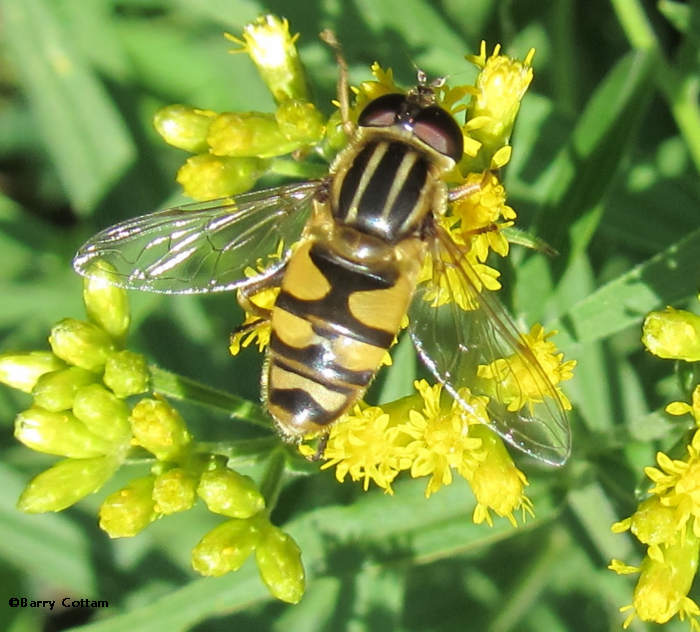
column 245, row 295
column 329, row 38
column 321, row 447
column 465, row 190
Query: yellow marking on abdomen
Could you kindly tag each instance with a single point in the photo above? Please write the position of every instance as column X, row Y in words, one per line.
column 292, row 330
column 355, row 355
column 302, row 278
column 382, row 309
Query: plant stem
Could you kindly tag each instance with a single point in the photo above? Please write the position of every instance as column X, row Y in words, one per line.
column 296, row 169
column 183, row 388
column 240, row 450
column 271, row 483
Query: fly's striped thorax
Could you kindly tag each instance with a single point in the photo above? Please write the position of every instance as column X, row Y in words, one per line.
column 386, row 184
column 332, row 323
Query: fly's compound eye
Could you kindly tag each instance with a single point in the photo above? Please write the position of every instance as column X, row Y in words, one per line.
column 383, row 111
column 436, row 128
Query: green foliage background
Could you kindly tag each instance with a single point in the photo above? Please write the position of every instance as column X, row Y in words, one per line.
column 605, row 168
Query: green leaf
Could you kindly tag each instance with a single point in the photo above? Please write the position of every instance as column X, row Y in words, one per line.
column 49, row 546
column 80, row 126
column 584, row 168
column 667, row 278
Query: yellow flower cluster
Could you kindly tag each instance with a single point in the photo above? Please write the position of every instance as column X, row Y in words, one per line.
column 428, row 435
column 668, row 521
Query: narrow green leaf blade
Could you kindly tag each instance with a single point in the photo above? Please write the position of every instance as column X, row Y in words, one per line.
column 82, row 131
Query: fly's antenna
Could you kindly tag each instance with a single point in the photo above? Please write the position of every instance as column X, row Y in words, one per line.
column 329, row 38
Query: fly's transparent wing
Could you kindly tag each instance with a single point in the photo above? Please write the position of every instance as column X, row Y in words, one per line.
column 201, row 247
column 524, row 406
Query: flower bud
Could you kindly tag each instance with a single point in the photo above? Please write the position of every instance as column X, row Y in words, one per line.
column 130, row 510
column 229, row 493
column 242, row 134
column 58, row 433
column 106, row 304
column 174, row 490
column 80, row 343
column 66, row 483
column 184, row 127
column 300, row 121
column 272, row 49
column 279, row 563
column 159, row 428
column 56, row 391
column 22, row 370
column 103, row 414
column 206, row 177
column 673, row 334
column 126, row 373
column 225, row 548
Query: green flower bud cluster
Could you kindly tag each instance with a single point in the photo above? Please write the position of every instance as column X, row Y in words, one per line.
column 226, row 547
column 232, row 150
column 78, row 388
column 79, row 412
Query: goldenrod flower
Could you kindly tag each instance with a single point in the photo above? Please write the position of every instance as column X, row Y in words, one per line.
column 681, row 408
column 65, row 483
column 653, row 524
column 159, row 428
column 273, row 50
column 482, row 215
column 497, row 484
column 669, row 523
column 174, row 490
column 229, row 493
column 449, row 287
column 364, row 445
column 500, row 86
column 678, row 484
column 663, row 585
column 441, row 438
column 514, row 384
column 429, row 435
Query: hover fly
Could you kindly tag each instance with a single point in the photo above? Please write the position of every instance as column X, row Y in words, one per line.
column 358, row 237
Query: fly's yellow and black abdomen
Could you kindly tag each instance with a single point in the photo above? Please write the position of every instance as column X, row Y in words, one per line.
column 329, row 336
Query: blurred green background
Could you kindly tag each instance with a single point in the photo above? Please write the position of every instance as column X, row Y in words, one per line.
column 605, row 168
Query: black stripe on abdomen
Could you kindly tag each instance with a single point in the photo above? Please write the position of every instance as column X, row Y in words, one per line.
column 333, row 310
column 319, row 360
